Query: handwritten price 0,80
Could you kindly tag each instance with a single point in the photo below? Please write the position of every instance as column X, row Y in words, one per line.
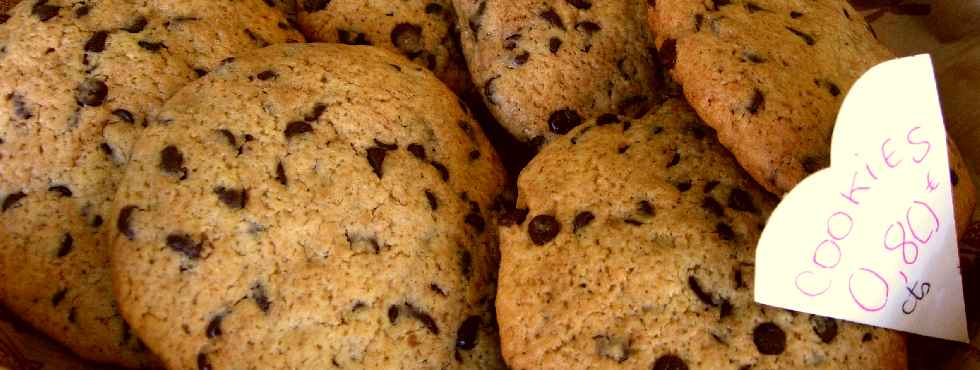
column 868, row 289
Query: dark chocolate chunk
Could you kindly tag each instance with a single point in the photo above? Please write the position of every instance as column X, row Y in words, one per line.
column 669, row 362
column 66, row 245
column 466, row 263
column 58, row 296
column 91, row 92
column 417, row 150
column 97, row 221
column 867, row 337
column 510, row 43
column 352, row 37
column 683, row 186
column 96, row 43
column 61, row 189
column 475, row 220
column 203, row 363
column 520, row 59
column 543, row 228
column 752, row 57
column 581, row 4
column 407, row 37
column 710, row 185
column 564, row 120
column 423, row 318
column 183, row 244
column 172, row 161
column 466, row 335
column 588, row 27
column 281, row 174
column 552, row 17
column 726, row 308
column 260, row 297
column 514, row 217
column 393, row 311
column 725, row 231
column 315, row 114
column 607, row 119
column 433, row 8
column 712, row 205
column 124, row 115
column 296, row 128
column 21, row 110
column 474, row 155
column 376, row 158
column 433, row 201
column 443, row 171
column 123, row 222
column 813, row 164
column 755, row 102
column 695, row 285
column 668, row 53
column 436, row 289
column 214, row 326
column 4, row 18
column 315, row 5
column 582, row 219
column 137, row 26
column 43, row 11
column 554, row 44
column 824, row 327
column 698, row 20
column 741, row 200
column 623, row 148
column 795, row 14
column 832, row 88
column 769, row 339
column 233, row 198
column 72, row 314
column 674, row 160
column 645, row 208
column 753, row 7
column 151, row 46
column 806, row 38
column 739, row 282
column 259, row 41
column 200, row 72
column 266, row 75
column 230, row 137
column 11, row 200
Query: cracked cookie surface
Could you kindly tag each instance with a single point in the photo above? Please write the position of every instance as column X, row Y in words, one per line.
column 658, row 272
column 78, row 81
column 312, row 206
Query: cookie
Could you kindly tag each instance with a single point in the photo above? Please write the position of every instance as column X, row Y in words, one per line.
column 658, row 272
column 770, row 76
column 78, row 82
column 424, row 31
column 544, row 67
column 311, row 206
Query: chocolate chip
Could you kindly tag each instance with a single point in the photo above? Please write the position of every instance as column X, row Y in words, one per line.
column 824, row 327
column 698, row 19
column 623, row 148
column 695, row 285
column 710, row 185
column 588, row 27
column 668, row 53
column 407, row 37
column 214, row 326
column 769, row 339
column 552, row 17
column 393, row 313
column 183, row 244
column 137, row 26
column 669, row 362
column 674, row 160
column 43, row 11
column 315, row 5
column 443, row 172
column 554, row 44
column 806, row 38
column 97, row 221
column 124, row 115
column 867, row 337
column 433, row 8
column 475, row 220
column 436, row 289
column 753, row 7
column 123, row 222
column 726, row 308
column 741, row 200
column 564, row 120
column 423, row 318
column 510, row 43
column 724, row 231
column 91, row 92
column 200, row 72
column 352, row 37
column 467, row 333
column 752, row 57
column 683, row 186
column 376, row 158
column 832, row 89
column 61, row 189
column 813, row 164
column 72, row 313
column 466, row 263
column 259, row 41
column 315, row 114
column 4, row 18
column 202, row 362
column 417, row 150
column 233, row 198
column 755, row 102
column 474, row 21
column 582, row 219
column 66, row 245
column 296, row 128
column 543, row 228
column 266, row 75
column 11, row 200
column 645, row 208
column 712, row 205
column 433, row 201
column 172, row 161
column 607, row 119
column 151, row 46
column 260, row 297
column 520, row 59
column 514, row 217
column 281, row 174
column 96, row 43
column 58, row 296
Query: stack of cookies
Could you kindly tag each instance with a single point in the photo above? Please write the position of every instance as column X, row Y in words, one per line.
column 189, row 184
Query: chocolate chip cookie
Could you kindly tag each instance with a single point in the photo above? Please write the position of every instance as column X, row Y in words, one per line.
column 311, row 206
column 545, row 67
column 78, row 81
column 770, row 76
column 422, row 30
column 657, row 273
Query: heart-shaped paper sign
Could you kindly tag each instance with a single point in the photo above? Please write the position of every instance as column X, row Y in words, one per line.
column 872, row 239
